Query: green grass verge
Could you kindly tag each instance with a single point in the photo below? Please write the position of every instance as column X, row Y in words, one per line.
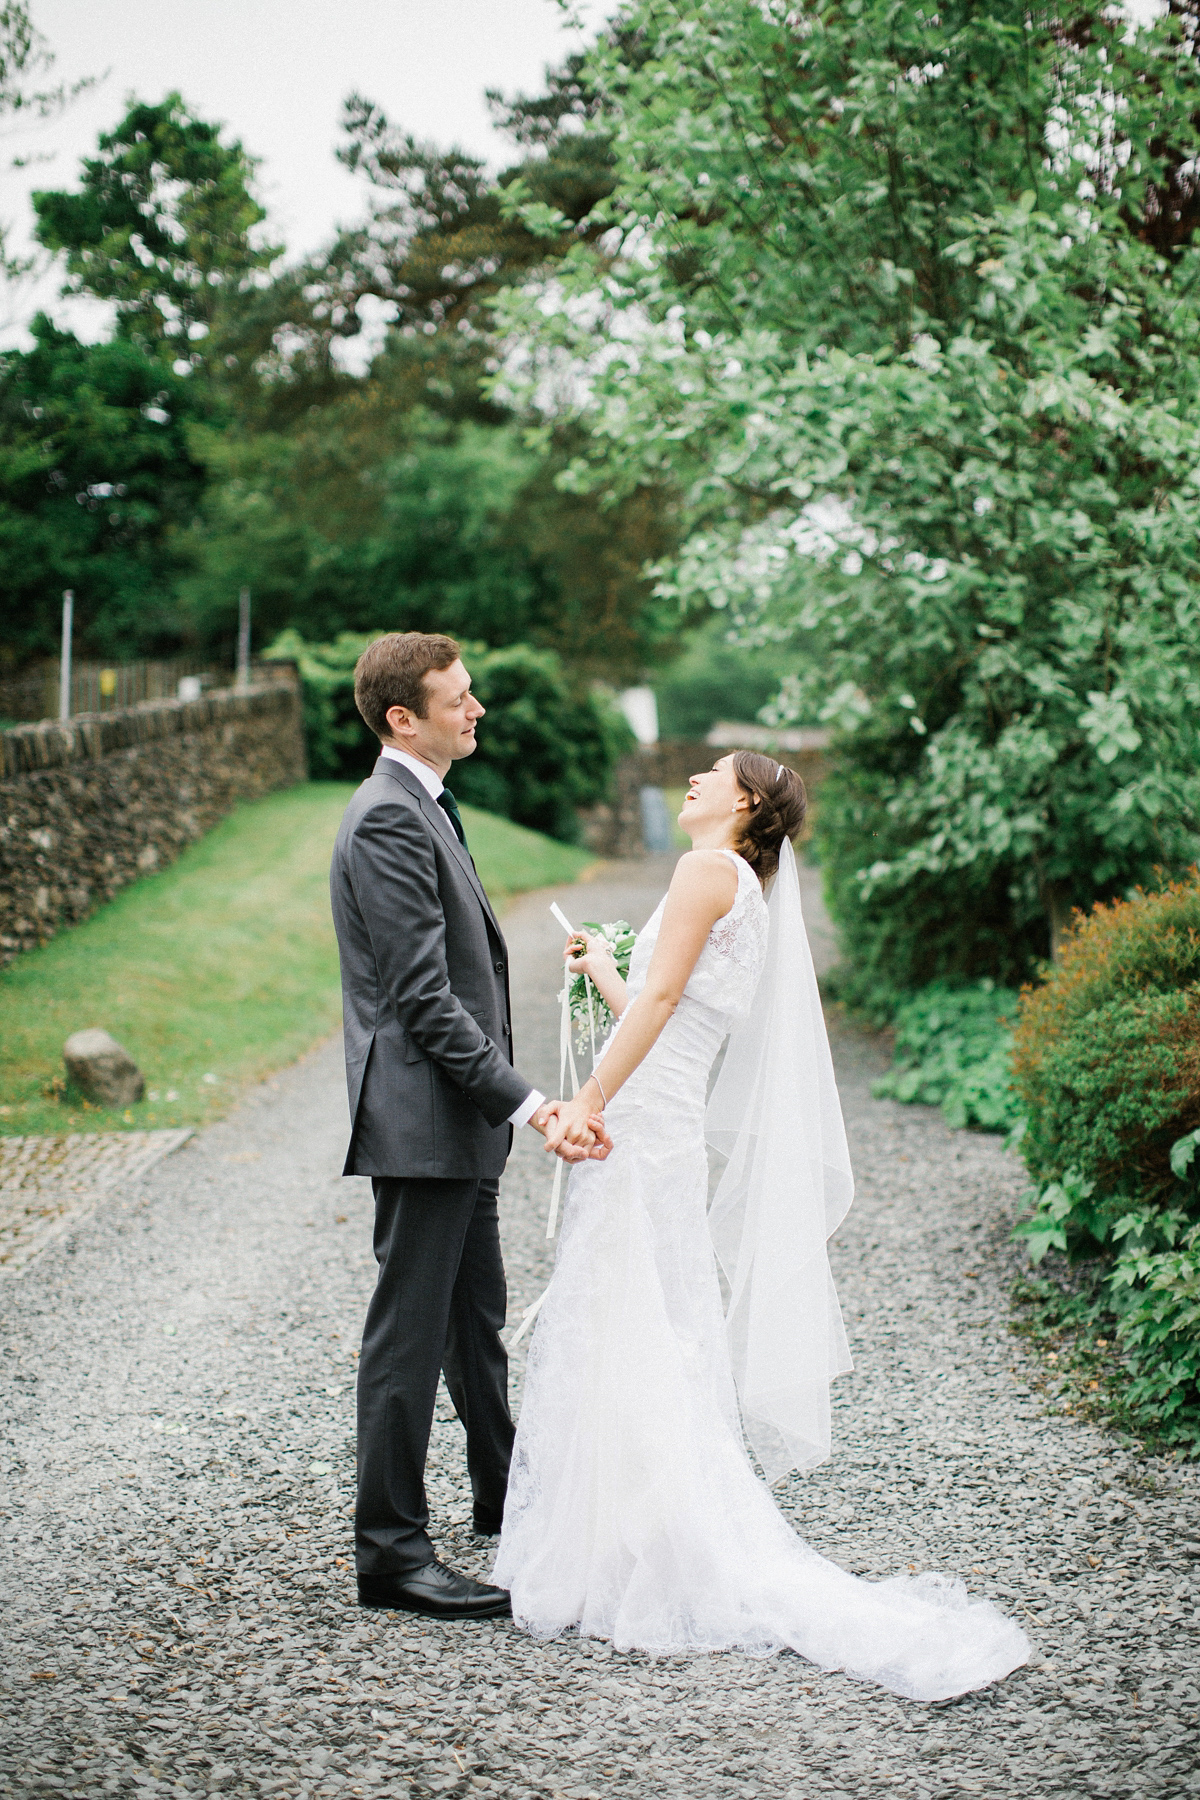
column 217, row 971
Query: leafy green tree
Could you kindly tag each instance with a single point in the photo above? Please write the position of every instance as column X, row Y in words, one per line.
column 164, row 224
column 95, row 477
column 440, row 238
column 25, row 58
column 908, row 309
column 376, row 513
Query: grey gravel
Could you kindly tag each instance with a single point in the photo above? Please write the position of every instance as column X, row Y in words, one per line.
column 177, row 1469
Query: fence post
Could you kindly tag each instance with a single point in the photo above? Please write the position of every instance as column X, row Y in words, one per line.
column 243, row 647
column 64, row 667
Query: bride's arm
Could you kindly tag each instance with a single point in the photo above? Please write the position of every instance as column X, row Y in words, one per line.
column 703, row 889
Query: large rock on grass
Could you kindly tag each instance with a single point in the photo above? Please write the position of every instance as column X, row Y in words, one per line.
column 102, row 1069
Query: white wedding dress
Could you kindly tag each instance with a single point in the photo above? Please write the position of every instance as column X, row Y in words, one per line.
column 634, row 1513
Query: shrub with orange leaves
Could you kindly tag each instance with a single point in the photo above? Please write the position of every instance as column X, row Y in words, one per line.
column 1106, row 1054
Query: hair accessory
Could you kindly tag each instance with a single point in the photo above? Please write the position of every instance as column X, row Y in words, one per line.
column 779, row 776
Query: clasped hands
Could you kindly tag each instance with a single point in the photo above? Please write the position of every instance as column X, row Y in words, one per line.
column 574, row 1129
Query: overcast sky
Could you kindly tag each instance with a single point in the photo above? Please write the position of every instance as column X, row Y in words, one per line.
column 276, row 72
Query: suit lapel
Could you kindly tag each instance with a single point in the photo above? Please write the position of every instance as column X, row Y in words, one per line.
column 440, row 822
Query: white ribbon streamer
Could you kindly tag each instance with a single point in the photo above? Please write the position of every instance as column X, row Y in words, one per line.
column 566, row 1060
column 527, row 1317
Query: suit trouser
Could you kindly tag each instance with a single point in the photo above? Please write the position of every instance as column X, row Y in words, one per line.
column 438, row 1305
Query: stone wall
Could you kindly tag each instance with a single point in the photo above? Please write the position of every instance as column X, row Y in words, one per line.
column 91, row 803
column 616, row 830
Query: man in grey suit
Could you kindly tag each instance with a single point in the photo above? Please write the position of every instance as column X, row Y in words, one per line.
column 434, row 1100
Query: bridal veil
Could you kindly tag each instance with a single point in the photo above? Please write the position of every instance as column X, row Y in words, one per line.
column 775, row 1117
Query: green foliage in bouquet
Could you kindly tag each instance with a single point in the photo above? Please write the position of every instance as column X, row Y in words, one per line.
column 589, row 1013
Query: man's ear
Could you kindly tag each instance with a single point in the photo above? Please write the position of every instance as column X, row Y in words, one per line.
column 399, row 723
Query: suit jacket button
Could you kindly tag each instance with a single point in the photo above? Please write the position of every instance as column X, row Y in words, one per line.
column 499, row 968
column 506, row 1031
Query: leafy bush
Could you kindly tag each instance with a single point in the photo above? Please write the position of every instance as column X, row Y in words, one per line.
column 952, row 1050
column 546, row 748
column 1106, row 1055
column 1107, row 1062
column 339, row 745
column 1138, row 1304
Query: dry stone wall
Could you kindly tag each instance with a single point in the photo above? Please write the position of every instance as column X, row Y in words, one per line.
column 89, row 804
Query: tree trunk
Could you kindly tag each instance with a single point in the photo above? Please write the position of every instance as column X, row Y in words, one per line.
column 1060, row 913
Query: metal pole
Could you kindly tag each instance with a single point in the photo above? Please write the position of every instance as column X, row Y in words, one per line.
column 64, row 667
column 243, row 650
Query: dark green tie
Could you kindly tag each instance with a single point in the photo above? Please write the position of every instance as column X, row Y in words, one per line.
column 449, row 806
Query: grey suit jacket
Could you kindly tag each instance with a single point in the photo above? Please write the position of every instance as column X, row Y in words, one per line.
column 424, row 989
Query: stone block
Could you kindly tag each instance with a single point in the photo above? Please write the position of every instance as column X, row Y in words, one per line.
column 102, row 1069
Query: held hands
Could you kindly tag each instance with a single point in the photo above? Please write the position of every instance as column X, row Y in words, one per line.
column 573, row 1130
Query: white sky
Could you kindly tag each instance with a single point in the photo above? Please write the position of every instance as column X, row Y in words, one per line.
column 276, row 72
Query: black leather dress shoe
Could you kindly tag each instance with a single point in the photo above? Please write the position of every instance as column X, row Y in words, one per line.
column 434, row 1589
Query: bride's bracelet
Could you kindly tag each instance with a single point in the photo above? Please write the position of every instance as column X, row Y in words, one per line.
column 603, row 1096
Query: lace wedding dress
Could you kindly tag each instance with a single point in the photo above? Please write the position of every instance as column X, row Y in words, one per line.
column 633, row 1510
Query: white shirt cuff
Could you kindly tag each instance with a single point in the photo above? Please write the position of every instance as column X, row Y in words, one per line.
column 527, row 1108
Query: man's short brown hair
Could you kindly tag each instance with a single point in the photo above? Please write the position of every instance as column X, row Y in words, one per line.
column 392, row 670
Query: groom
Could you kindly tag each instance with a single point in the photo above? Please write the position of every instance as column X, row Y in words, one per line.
column 434, row 1098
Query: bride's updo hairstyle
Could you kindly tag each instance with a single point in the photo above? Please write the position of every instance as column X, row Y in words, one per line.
column 778, row 804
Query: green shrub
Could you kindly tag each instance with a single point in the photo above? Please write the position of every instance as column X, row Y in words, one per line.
column 952, row 1050
column 340, row 748
column 1158, row 1309
column 983, row 924
column 1106, row 1060
column 547, row 746
column 1106, row 1055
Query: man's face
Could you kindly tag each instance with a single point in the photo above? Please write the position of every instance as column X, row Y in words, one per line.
column 447, row 732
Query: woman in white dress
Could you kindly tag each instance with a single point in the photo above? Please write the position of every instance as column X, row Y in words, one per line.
column 634, row 1513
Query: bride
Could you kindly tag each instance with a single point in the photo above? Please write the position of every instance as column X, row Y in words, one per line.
column 633, row 1511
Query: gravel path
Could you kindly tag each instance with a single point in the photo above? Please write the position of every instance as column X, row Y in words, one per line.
column 176, row 1489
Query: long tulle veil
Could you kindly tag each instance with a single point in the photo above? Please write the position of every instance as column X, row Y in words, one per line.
column 775, row 1116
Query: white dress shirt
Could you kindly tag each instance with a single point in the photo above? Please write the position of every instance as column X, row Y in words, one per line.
column 433, row 784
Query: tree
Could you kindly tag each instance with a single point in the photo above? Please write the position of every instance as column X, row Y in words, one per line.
column 95, row 478
column 376, row 513
column 25, row 56
column 909, row 310
column 442, row 236
column 410, row 497
column 164, row 224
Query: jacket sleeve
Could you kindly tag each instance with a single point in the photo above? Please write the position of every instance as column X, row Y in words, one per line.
column 393, row 871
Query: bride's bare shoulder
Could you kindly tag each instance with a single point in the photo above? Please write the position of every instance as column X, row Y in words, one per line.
column 702, row 875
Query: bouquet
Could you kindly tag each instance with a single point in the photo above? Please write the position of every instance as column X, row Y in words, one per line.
column 590, row 1015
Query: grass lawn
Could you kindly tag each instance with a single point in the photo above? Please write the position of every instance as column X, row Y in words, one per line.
column 216, row 971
